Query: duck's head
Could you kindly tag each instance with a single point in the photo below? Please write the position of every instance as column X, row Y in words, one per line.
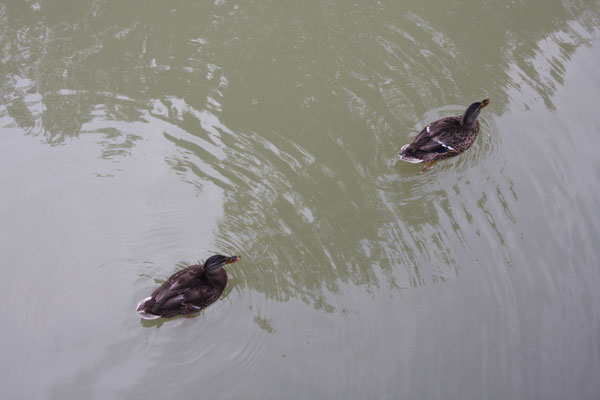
column 216, row 262
column 473, row 112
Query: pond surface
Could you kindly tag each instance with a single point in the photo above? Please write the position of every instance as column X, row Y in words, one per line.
column 138, row 137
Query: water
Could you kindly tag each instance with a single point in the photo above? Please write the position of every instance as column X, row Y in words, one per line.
column 138, row 137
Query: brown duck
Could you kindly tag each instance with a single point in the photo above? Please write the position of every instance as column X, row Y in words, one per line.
column 444, row 138
column 189, row 290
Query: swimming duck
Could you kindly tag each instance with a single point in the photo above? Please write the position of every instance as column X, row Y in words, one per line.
column 444, row 138
column 189, row 290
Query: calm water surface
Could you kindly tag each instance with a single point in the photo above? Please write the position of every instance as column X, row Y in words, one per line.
column 137, row 137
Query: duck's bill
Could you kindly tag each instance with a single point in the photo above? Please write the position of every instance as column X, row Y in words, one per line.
column 485, row 102
column 233, row 259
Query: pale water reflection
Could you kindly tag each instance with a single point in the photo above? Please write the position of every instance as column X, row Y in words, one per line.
column 138, row 137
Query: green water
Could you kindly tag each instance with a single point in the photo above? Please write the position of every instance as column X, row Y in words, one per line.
column 137, row 137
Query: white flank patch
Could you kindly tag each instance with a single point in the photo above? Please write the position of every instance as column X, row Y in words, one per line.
column 142, row 302
column 143, row 313
column 409, row 159
column 148, row 316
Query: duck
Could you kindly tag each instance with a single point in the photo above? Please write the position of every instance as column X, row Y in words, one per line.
column 188, row 291
column 444, row 138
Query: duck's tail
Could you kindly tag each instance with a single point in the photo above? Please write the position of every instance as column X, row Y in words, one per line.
column 142, row 307
column 404, row 155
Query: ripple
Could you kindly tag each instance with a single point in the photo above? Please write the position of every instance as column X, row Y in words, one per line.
column 271, row 131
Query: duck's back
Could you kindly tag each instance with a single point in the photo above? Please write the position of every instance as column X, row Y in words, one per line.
column 443, row 138
column 185, row 292
column 181, row 280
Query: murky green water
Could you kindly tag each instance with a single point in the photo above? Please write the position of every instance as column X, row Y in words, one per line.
column 140, row 136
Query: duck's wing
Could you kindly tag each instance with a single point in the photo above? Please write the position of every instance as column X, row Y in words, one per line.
column 192, row 300
column 177, row 284
column 202, row 296
column 436, row 137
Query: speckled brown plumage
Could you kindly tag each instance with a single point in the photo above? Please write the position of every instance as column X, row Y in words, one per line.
column 444, row 138
column 188, row 291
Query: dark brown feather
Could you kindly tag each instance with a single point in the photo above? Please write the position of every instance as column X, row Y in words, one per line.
column 186, row 292
column 446, row 138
